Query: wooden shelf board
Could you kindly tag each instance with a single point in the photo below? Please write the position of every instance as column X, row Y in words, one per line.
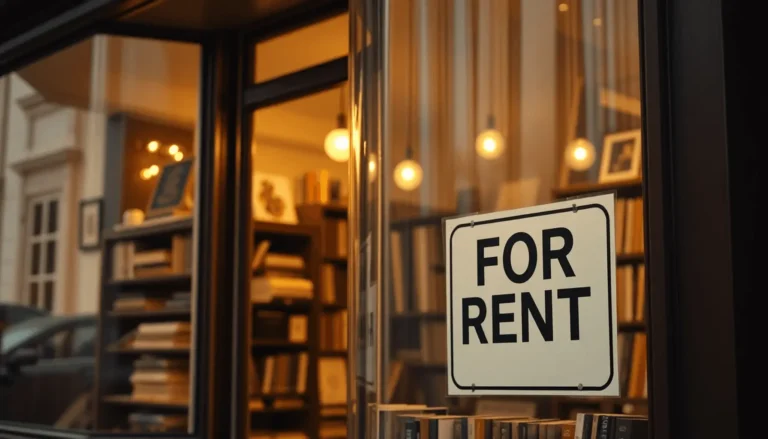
column 436, row 315
column 284, row 305
column 271, row 396
column 598, row 400
column 337, row 260
column 630, row 258
column 135, row 351
column 334, row 306
column 153, row 314
column 131, row 401
column 175, row 280
column 270, row 228
column 150, row 229
column 278, row 344
column 632, row 326
column 334, row 353
column 623, row 188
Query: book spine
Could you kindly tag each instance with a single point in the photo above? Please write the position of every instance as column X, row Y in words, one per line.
column 623, row 429
column 605, row 427
column 410, row 429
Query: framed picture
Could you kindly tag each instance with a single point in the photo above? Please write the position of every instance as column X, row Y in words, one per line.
column 172, row 194
column 90, row 223
column 621, row 157
column 273, row 199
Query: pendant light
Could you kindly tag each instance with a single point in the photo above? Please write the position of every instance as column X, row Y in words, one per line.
column 337, row 140
column 490, row 144
column 408, row 173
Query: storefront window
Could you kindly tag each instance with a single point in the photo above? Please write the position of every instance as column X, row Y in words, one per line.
column 298, row 324
column 98, row 144
column 486, row 106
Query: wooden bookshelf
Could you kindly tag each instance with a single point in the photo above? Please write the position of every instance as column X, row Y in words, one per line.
column 169, row 239
column 629, row 188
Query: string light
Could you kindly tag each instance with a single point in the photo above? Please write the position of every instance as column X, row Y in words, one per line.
column 153, row 146
column 173, row 149
column 178, row 156
column 154, row 169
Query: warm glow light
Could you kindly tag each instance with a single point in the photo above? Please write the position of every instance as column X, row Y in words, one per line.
column 153, row 146
column 562, row 7
column 337, row 145
column 580, row 154
column 145, row 174
column 489, row 144
column 597, row 22
column 178, row 156
column 408, row 175
column 173, row 149
column 154, row 169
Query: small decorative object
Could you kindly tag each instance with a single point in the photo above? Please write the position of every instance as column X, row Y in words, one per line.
column 172, row 194
column 621, row 156
column 133, row 217
column 273, row 199
column 90, row 224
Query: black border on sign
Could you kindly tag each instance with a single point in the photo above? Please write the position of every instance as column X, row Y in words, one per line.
column 610, row 304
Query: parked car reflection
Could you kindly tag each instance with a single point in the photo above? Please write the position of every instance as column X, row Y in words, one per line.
column 47, row 370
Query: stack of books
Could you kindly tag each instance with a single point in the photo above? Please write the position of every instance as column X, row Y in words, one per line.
column 138, row 302
column 279, row 276
column 181, row 300
column 162, row 335
column 156, row 423
column 160, row 380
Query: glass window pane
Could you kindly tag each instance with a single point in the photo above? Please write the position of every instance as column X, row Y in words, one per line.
column 37, row 219
column 487, row 107
column 130, row 107
column 50, row 257
column 307, row 46
column 48, row 295
column 33, row 295
column 53, row 216
column 35, row 259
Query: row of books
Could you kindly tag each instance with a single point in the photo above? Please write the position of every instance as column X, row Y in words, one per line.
column 418, row 285
column 630, row 232
column 318, row 187
column 411, row 421
column 280, row 325
column 130, row 261
column 160, row 379
column 279, row 374
column 333, row 284
column 138, row 301
column 333, row 331
column 630, row 293
column 633, row 360
column 335, row 238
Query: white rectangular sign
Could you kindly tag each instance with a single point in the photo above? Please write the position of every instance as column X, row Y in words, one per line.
column 531, row 297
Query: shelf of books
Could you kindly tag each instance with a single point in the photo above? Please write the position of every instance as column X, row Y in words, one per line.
column 296, row 369
column 419, row 420
column 144, row 377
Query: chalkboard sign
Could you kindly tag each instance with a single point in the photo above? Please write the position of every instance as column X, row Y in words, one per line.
column 171, row 195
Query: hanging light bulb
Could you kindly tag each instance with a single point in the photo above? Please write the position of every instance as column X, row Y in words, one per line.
column 408, row 173
column 490, row 143
column 153, row 146
column 580, row 154
column 337, row 141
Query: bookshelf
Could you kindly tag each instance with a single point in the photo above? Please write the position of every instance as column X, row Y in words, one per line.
column 332, row 221
column 631, row 295
column 286, row 328
column 143, row 353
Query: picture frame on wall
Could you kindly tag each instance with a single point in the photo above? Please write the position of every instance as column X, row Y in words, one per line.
column 273, row 199
column 621, row 157
column 90, row 221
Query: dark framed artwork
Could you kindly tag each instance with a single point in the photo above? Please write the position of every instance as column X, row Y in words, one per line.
column 172, row 191
column 90, row 223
